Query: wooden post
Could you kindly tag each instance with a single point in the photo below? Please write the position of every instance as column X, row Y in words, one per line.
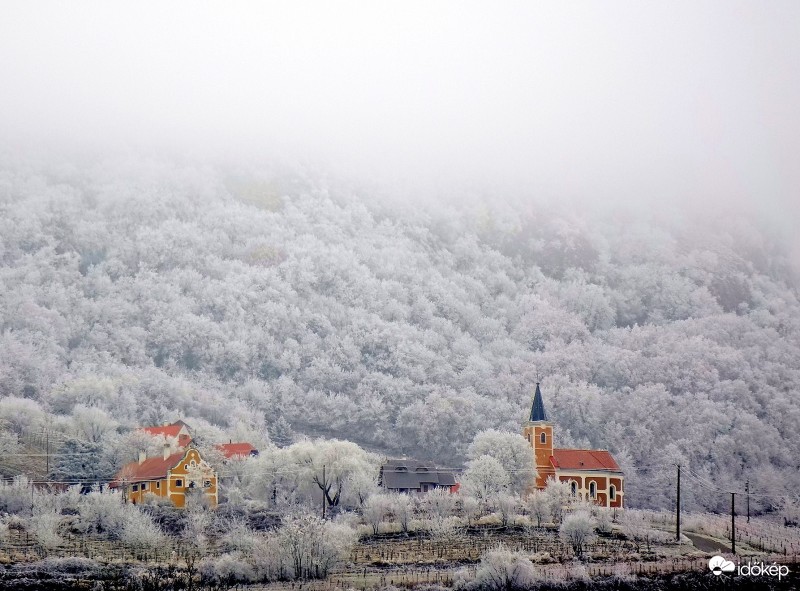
column 678, row 509
column 747, row 490
column 733, row 522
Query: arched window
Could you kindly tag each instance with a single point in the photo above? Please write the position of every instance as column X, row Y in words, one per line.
column 612, row 492
column 573, row 488
column 593, row 489
column 543, row 438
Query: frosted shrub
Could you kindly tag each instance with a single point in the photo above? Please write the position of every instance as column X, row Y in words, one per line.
column 102, row 513
column 502, row 569
column 74, row 565
column 70, row 499
column 314, row 546
column 375, row 509
column 4, row 530
column 507, row 505
column 228, row 570
column 637, row 528
column 45, row 527
column 559, row 499
column 195, row 530
column 602, row 517
column 240, row 537
column 470, row 508
column 577, row 530
column 402, row 507
column 578, row 572
column 622, row 572
column 140, row 531
column 538, row 505
column 443, row 529
column 15, row 496
column 271, row 559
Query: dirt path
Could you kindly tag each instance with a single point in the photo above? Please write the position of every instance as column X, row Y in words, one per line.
column 707, row 544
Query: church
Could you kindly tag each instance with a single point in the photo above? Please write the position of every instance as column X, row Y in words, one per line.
column 592, row 474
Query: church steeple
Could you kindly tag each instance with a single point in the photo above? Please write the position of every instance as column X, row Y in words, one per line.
column 537, row 408
column 538, row 430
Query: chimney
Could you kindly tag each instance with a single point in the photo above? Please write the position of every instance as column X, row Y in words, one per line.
column 142, row 455
column 166, row 450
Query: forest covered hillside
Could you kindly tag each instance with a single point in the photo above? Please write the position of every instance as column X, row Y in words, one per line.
column 262, row 306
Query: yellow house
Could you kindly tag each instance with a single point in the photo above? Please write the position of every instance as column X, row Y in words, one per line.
column 172, row 476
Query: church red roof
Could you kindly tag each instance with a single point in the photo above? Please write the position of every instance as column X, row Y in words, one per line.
column 584, row 459
column 150, row 469
column 230, row 450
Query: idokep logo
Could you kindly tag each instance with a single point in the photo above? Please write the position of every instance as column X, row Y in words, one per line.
column 719, row 565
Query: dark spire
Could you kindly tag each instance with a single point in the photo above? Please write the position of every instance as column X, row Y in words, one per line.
column 537, row 408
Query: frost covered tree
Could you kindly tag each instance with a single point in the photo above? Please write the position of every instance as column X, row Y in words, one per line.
column 507, row 505
column 402, row 508
column 335, row 467
column 485, row 478
column 513, row 453
column 538, row 504
column 502, row 569
column 314, row 546
column 577, row 530
column 375, row 509
column 155, row 291
column 558, row 498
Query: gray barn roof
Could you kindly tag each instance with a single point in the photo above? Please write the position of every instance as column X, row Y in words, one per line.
column 411, row 474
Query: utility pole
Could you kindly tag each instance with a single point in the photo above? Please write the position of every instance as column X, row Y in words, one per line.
column 47, row 447
column 747, row 490
column 678, row 509
column 733, row 522
column 324, row 484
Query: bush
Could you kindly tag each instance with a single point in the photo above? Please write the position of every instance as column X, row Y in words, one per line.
column 502, row 569
column 101, row 512
column 84, row 567
column 314, row 546
column 577, row 530
column 168, row 517
column 45, row 527
column 227, row 570
column 15, row 496
column 139, row 530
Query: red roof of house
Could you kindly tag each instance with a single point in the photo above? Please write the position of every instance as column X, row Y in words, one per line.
column 230, row 450
column 173, row 430
column 584, row 459
column 150, row 469
column 167, row 430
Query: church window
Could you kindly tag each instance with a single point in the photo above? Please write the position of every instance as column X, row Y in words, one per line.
column 573, row 488
column 543, row 438
column 592, row 489
column 612, row 492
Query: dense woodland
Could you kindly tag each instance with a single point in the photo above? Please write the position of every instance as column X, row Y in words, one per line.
column 271, row 307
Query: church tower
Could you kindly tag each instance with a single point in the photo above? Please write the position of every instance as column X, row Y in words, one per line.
column 538, row 430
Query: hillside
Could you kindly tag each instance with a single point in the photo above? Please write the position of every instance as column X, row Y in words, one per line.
column 258, row 305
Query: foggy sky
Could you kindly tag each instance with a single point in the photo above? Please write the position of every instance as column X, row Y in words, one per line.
column 678, row 100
